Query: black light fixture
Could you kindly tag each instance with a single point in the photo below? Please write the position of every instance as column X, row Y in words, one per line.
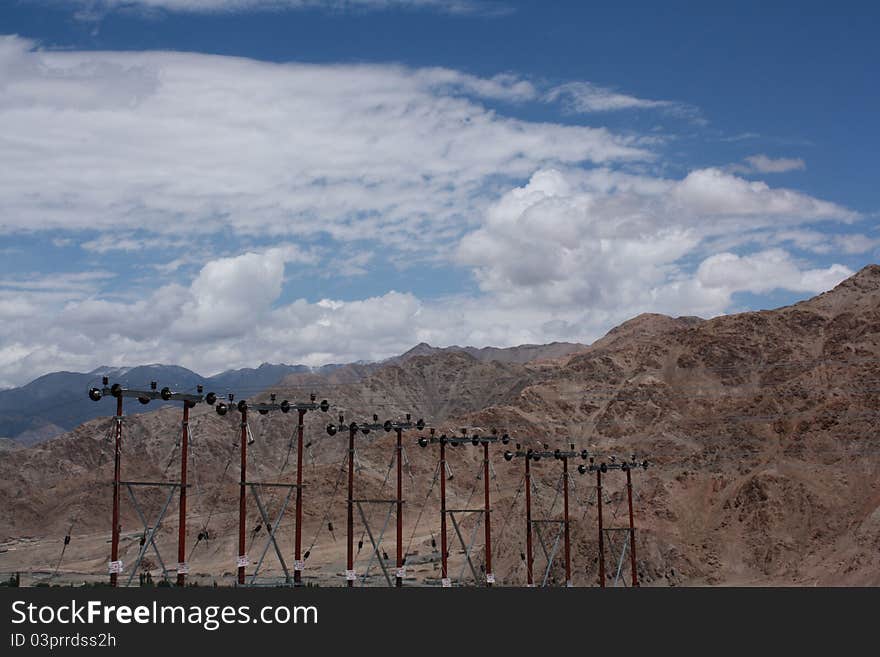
column 166, row 393
column 95, row 394
column 508, row 455
column 221, row 409
column 211, row 398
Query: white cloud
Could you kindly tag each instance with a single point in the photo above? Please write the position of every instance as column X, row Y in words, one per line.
column 714, row 193
column 766, row 271
column 171, row 142
column 764, row 164
column 230, row 315
column 94, row 8
column 136, row 150
column 818, row 242
column 586, row 98
column 612, row 242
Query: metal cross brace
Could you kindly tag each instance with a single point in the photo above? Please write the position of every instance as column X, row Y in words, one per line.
column 467, row 547
column 271, row 527
column 376, row 543
column 609, row 534
column 407, row 464
column 549, row 555
column 149, row 532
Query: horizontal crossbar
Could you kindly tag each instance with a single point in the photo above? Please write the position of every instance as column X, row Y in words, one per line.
column 266, row 483
column 465, row 510
column 394, row 501
column 170, row 484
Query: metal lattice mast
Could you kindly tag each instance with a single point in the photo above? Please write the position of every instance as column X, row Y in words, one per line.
column 145, row 397
column 537, row 455
column 600, row 469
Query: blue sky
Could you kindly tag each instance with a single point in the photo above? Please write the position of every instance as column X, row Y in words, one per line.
column 218, row 183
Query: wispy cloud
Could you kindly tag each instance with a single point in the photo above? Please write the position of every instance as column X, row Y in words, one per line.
column 96, row 9
column 587, row 98
column 764, row 164
column 167, row 142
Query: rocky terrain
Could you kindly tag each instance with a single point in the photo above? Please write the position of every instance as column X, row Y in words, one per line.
column 760, row 429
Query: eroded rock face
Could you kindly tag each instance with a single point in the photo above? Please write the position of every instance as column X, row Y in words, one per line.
column 760, row 428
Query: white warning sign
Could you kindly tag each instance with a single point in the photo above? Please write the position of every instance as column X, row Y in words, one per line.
column 115, row 567
column 299, row 564
column 490, row 578
column 350, row 575
column 242, row 561
column 446, row 582
column 183, row 568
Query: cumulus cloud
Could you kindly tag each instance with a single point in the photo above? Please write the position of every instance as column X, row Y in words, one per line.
column 766, row 271
column 608, row 240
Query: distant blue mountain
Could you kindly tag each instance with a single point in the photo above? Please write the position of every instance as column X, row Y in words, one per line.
column 58, row 402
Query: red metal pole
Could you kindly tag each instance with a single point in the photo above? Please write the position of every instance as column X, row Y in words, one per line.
column 601, row 532
column 297, row 552
column 632, row 530
column 444, row 570
column 242, row 498
column 399, row 580
column 490, row 577
column 565, row 526
column 529, row 575
column 181, row 524
column 114, row 541
column 350, row 530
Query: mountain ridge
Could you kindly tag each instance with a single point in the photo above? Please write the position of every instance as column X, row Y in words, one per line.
column 759, row 428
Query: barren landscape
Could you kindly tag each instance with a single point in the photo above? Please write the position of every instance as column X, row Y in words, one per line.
column 760, row 430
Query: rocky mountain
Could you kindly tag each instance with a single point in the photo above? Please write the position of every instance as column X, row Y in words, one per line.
column 521, row 354
column 54, row 403
column 759, row 428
